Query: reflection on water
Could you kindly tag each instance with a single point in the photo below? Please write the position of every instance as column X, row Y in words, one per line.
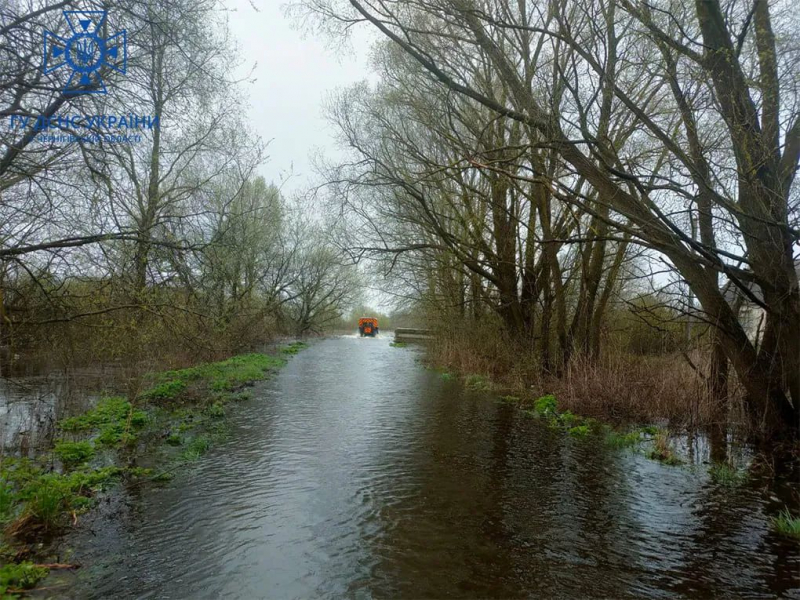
column 357, row 473
column 31, row 405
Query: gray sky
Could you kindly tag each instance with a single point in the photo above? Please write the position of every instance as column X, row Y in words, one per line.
column 295, row 70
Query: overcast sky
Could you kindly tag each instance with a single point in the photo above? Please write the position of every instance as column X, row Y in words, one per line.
column 294, row 73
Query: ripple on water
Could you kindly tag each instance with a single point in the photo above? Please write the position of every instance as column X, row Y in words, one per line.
column 357, row 473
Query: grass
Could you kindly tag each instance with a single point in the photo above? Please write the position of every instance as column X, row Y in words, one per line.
column 293, row 348
column 545, row 405
column 579, row 430
column 113, row 420
column 225, row 375
column 447, row 376
column 35, row 499
column 478, row 383
column 398, row 344
column 615, row 439
column 509, row 399
column 72, row 454
column 196, row 448
column 20, row 576
column 786, row 524
column 726, row 475
column 662, row 450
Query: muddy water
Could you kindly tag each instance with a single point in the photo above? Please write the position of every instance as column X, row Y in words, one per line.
column 357, row 473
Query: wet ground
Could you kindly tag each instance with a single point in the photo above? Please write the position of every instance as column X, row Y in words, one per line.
column 358, row 473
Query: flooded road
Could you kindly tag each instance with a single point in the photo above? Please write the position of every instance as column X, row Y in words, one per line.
column 357, row 473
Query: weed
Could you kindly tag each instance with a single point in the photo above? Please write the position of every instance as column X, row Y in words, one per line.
column 786, row 524
column 139, row 472
column 447, row 376
column 727, row 476
column 110, row 418
column 477, row 382
column 568, row 419
column 216, row 410
column 238, row 396
column 293, row 348
column 168, row 390
column 6, row 501
column 614, row 439
column 579, row 431
column 546, row 405
column 73, row 454
column 174, row 439
column 196, row 448
column 398, row 344
column 22, row 576
column 163, row 476
column 650, row 430
column 509, row 399
column 662, row 450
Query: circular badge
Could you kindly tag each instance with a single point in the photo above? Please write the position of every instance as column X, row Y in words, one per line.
column 86, row 52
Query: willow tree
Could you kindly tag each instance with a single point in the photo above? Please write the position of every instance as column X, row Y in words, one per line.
column 707, row 89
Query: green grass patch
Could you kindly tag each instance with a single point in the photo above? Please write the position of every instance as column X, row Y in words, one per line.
column 579, row 430
column 168, row 390
column 662, row 450
column 36, row 499
column 216, row 410
column 72, row 454
column 615, row 439
column 398, row 344
column 114, row 420
column 726, row 475
column 196, row 448
column 478, row 383
column 786, row 524
column 446, row 376
column 20, row 576
column 293, row 348
column 226, row 375
column 509, row 399
column 545, row 405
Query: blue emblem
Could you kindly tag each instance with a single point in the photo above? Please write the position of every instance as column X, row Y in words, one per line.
column 86, row 51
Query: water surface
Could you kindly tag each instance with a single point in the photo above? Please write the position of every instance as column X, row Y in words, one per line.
column 357, row 473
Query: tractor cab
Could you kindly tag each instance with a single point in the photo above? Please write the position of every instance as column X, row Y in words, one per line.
column 368, row 326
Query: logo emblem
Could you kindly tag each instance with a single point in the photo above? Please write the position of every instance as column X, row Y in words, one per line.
column 85, row 52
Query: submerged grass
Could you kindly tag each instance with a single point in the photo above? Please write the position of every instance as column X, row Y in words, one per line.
column 662, row 450
column 19, row 577
column 726, row 475
column 37, row 500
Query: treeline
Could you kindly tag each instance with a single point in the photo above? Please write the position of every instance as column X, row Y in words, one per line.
column 547, row 176
column 164, row 246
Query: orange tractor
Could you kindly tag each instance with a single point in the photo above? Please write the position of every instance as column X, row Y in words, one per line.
column 368, row 326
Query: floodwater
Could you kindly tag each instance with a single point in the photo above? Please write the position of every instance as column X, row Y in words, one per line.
column 357, row 473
